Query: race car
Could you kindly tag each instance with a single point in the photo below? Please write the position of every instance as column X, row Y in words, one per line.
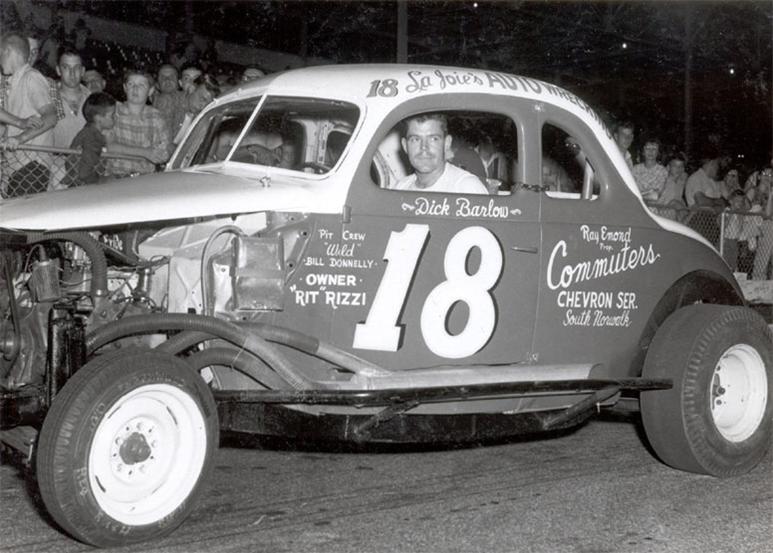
column 279, row 279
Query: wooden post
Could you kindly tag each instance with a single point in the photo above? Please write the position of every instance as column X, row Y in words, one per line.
column 688, row 62
column 402, row 31
column 189, row 26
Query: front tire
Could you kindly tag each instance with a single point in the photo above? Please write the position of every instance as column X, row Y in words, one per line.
column 126, row 447
column 717, row 418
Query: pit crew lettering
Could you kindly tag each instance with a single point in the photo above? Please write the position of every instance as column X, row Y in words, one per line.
column 354, row 299
column 380, row 330
column 337, row 263
column 355, row 236
column 314, row 279
column 330, row 298
column 342, row 250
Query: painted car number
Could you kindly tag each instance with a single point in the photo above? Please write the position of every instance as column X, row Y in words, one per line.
column 380, row 330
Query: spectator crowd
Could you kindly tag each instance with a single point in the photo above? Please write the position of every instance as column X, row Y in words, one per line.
column 52, row 99
column 719, row 198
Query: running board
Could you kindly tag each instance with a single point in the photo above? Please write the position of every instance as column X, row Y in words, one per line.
column 439, row 394
column 465, row 376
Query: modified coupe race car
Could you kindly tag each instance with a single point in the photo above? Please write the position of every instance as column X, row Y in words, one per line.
column 278, row 279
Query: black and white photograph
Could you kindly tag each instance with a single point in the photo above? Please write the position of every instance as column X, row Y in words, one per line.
column 421, row 276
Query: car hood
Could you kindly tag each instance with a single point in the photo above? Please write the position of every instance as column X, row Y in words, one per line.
column 166, row 196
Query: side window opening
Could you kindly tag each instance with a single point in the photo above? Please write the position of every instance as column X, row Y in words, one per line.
column 482, row 144
column 567, row 171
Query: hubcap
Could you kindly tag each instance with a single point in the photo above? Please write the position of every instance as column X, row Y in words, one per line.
column 147, row 454
column 739, row 392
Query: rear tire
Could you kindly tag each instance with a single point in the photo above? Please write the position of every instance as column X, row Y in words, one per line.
column 126, row 447
column 717, row 418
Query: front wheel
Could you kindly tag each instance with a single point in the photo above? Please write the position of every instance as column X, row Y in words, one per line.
column 717, row 418
column 125, row 448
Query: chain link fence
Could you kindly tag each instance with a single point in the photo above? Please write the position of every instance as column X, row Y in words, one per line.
column 35, row 169
column 744, row 238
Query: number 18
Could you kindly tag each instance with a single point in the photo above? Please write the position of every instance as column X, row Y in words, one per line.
column 380, row 330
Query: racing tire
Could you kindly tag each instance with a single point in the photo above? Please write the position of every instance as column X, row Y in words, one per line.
column 126, row 448
column 717, row 418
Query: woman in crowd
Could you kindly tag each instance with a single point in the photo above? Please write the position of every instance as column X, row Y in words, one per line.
column 650, row 175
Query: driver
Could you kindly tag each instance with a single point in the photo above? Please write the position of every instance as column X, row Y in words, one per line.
column 426, row 141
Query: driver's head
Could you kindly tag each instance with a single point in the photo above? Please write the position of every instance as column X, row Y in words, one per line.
column 426, row 141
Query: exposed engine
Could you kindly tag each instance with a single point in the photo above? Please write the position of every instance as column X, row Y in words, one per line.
column 57, row 287
column 52, row 288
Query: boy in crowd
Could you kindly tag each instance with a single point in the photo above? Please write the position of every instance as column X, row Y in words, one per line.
column 99, row 112
column 140, row 129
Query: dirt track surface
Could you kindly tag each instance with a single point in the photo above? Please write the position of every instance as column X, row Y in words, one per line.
column 594, row 490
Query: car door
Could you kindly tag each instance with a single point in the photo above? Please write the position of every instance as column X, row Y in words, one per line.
column 446, row 278
column 603, row 256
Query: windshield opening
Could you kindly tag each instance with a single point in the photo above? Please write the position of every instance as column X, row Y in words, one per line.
column 300, row 134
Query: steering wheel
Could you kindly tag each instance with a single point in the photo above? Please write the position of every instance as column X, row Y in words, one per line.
column 318, row 168
column 258, row 154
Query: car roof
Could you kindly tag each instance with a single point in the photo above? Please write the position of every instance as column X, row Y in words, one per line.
column 383, row 86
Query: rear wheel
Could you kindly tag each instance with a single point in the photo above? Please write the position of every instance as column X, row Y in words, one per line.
column 125, row 448
column 717, row 417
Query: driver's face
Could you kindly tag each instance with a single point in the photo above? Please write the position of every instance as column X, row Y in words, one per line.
column 425, row 143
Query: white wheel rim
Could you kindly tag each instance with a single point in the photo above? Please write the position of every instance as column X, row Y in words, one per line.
column 739, row 392
column 147, row 454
